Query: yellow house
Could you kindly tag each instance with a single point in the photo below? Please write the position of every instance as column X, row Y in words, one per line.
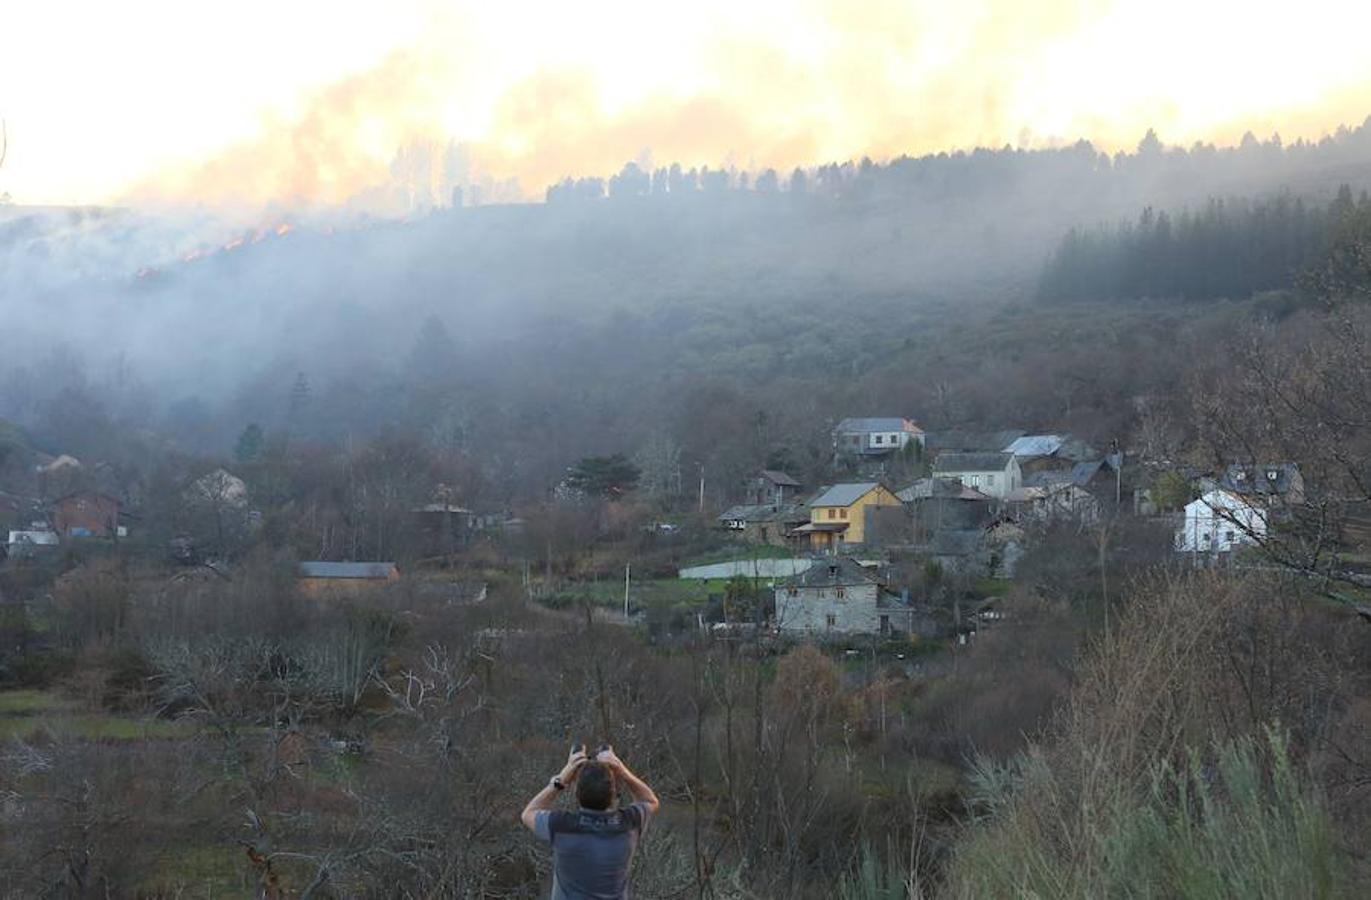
column 838, row 516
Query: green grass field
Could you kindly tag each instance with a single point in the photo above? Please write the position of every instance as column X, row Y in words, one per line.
column 25, row 714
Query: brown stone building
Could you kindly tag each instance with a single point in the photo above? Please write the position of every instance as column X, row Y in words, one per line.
column 86, row 514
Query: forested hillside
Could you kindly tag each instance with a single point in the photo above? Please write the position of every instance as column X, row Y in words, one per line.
column 1226, row 249
column 803, row 298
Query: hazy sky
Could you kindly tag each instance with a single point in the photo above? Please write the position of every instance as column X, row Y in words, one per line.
column 262, row 100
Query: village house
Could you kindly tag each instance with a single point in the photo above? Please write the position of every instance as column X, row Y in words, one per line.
column 936, row 442
column 874, row 438
column 345, row 579
column 1219, row 522
column 772, row 488
column 937, row 504
column 1051, row 501
column 1273, row 483
column 764, row 523
column 838, row 516
column 86, row 514
column 993, row 474
column 1048, row 452
column 26, row 542
column 840, row 597
column 443, row 526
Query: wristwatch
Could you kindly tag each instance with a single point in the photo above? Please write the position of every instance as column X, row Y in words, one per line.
column 557, row 783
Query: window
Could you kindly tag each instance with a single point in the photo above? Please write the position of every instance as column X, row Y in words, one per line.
column 832, row 513
column 840, row 592
column 831, row 620
column 878, row 439
column 990, row 480
column 885, row 624
column 1228, row 536
column 975, row 480
column 842, row 513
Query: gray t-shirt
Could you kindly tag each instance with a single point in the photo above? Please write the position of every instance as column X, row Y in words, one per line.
column 591, row 850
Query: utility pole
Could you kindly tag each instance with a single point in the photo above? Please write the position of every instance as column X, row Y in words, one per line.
column 626, row 580
column 1115, row 460
column 702, row 488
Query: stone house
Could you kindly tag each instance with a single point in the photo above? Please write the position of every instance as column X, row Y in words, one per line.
column 772, row 488
column 840, row 596
column 764, row 523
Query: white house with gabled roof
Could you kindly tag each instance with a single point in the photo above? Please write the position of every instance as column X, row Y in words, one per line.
column 993, row 474
column 1219, row 522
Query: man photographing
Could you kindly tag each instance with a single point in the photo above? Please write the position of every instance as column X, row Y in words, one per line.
column 593, row 846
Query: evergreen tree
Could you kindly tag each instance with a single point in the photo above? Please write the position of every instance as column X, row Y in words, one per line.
column 250, row 445
column 606, row 477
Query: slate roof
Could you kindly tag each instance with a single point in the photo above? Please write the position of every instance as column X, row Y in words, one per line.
column 1081, row 474
column 972, row 462
column 840, row 571
column 1036, row 445
column 779, row 478
column 748, row 512
column 347, row 569
column 1257, row 479
column 931, row 488
column 971, row 440
column 843, row 494
column 876, row 424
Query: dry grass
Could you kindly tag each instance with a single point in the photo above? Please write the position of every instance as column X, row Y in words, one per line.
column 1166, row 775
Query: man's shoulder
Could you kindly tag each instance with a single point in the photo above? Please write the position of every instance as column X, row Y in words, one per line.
column 640, row 813
column 609, row 822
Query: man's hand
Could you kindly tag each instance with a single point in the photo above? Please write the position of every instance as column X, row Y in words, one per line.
column 637, row 788
column 547, row 797
column 610, row 758
column 574, row 761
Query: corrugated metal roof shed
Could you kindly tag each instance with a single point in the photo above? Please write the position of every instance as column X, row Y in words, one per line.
column 347, row 569
column 1036, row 445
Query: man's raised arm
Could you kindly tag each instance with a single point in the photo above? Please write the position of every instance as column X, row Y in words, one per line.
column 637, row 788
column 547, row 797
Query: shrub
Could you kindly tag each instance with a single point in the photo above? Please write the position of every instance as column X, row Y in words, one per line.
column 1245, row 822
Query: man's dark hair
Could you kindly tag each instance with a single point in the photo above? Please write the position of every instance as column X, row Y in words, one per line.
column 595, row 786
